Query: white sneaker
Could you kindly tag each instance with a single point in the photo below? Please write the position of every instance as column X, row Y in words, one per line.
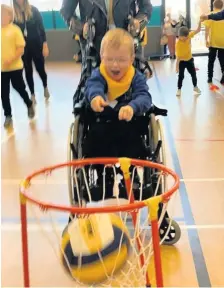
column 46, row 93
column 197, row 90
column 178, row 93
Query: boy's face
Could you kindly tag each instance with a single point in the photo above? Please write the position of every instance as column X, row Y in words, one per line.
column 5, row 17
column 117, row 61
column 183, row 38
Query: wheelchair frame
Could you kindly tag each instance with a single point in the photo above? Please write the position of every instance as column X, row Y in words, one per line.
column 156, row 134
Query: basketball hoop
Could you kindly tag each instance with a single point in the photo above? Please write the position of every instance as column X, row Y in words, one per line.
column 133, row 208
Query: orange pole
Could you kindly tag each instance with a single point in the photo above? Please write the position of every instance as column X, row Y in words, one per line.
column 157, row 254
column 125, row 165
column 24, row 243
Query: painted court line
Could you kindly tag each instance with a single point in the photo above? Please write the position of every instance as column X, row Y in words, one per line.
column 64, row 182
column 36, row 227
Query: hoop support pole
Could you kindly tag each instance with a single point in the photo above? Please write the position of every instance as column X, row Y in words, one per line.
column 125, row 165
column 24, row 236
column 153, row 205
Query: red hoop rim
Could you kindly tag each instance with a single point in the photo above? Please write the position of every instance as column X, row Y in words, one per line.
column 91, row 210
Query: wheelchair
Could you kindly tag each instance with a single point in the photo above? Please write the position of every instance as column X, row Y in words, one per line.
column 152, row 137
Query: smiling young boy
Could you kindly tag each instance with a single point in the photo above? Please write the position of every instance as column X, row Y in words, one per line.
column 12, row 44
column 185, row 58
column 110, row 82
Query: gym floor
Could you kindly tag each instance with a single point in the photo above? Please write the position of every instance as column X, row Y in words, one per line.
column 195, row 143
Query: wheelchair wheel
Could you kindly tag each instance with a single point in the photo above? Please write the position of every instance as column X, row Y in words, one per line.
column 174, row 234
column 74, row 151
column 170, row 231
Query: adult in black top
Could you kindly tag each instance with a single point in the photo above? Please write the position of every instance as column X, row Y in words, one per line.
column 103, row 11
column 29, row 20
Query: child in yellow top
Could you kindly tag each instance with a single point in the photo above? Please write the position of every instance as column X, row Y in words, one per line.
column 12, row 49
column 184, row 57
column 215, row 41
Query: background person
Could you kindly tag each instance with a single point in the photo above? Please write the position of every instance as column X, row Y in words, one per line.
column 29, row 19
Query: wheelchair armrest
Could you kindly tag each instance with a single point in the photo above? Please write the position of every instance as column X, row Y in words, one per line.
column 158, row 111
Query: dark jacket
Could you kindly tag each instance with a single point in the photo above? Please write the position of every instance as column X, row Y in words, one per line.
column 36, row 35
column 97, row 9
column 217, row 16
column 140, row 100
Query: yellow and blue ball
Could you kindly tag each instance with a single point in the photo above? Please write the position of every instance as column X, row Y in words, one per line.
column 95, row 247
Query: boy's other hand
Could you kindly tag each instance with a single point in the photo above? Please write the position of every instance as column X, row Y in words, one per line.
column 208, row 44
column 126, row 113
column 98, row 104
column 203, row 18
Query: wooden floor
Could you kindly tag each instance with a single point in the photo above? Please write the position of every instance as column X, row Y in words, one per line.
column 195, row 150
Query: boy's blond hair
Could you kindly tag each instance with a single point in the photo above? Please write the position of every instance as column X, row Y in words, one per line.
column 218, row 4
column 8, row 10
column 116, row 38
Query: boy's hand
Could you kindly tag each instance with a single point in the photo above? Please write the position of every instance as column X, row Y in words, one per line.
column 98, row 104
column 126, row 113
column 208, row 44
column 203, row 18
column 177, row 69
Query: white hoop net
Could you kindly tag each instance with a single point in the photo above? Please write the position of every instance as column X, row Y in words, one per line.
column 134, row 271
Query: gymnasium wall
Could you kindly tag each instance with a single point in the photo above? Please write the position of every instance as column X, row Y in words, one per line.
column 63, row 47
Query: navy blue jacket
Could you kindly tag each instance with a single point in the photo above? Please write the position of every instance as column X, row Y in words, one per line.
column 140, row 99
column 217, row 16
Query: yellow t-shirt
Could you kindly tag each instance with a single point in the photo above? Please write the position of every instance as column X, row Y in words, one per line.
column 11, row 39
column 183, row 48
column 216, row 32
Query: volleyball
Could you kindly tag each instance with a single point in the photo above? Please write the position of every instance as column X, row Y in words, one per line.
column 95, row 248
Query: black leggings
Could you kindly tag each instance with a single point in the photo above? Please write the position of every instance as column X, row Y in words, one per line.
column 16, row 78
column 190, row 68
column 34, row 54
column 211, row 60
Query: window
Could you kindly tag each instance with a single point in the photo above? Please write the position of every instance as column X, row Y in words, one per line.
column 46, row 5
column 156, row 2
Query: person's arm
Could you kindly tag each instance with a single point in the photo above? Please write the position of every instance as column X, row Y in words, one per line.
column 207, row 40
column 141, row 99
column 20, row 45
column 216, row 16
column 198, row 29
column 68, row 10
column 145, row 10
column 95, row 86
column 177, row 64
column 39, row 21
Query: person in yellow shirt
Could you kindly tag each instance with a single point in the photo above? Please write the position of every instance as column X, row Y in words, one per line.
column 215, row 41
column 185, row 58
column 12, row 49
